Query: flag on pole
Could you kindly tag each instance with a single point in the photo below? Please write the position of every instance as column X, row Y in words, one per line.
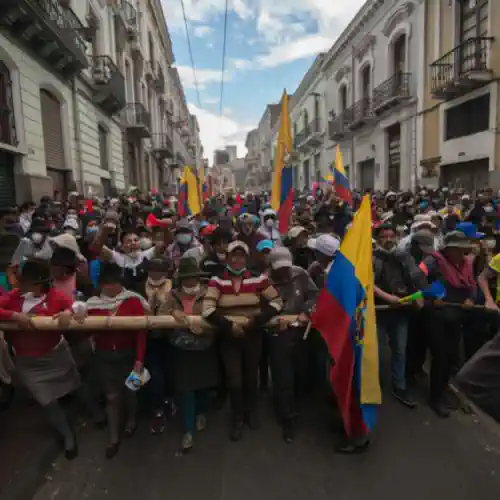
column 352, row 337
column 282, row 190
column 192, row 191
column 203, row 186
column 341, row 180
column 182, row 205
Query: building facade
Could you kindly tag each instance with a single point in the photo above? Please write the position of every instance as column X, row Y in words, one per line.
column 266, row 145
column 252, row 161
column 371, row 84
column 459, row 94
column 84, row 96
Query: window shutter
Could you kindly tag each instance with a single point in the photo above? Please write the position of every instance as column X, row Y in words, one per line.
column 52, row 131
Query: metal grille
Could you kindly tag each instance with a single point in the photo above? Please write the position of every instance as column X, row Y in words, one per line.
column 7, row 121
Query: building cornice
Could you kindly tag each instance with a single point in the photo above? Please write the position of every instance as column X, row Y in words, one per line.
column 343, row 71
column 354, row 28
column 364, row 46
column 398, row 16
column 309, row 79
column 161, row 25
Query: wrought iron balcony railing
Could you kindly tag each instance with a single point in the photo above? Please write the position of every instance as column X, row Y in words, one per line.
column 136, row 115
column 469, row 57
column 397, row 87
column 109, row 82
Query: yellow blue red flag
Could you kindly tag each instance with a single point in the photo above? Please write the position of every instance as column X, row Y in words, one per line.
column 282, row 189
column 341, row 180
column 192, row 193
column 351, row 337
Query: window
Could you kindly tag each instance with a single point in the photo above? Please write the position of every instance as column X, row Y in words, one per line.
column 343, row 98
column 473, row 19
column 399, row 54
column 468, row 118
column 103, row 147
column 365, row 81
column 7, row 121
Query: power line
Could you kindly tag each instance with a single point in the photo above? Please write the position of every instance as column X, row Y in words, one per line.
column 195, row 79
column 223, row 59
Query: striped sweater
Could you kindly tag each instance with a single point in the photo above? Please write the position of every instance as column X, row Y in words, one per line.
column 256, row 299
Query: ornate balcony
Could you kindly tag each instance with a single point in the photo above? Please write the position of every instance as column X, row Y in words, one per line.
column 391, row 92
column 463, row 69
column 126, row 18
column 310, row 136
column 137, row 119
column 48, row 29
column 163, row 145
column 109, row 84
column 160, row 82
column 362, row 114
column 338, row 128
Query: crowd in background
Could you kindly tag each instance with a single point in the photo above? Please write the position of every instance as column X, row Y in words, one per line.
column 134, row 255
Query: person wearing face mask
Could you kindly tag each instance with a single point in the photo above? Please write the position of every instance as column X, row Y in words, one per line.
column 204, row 234
column 35, row 244
column 303, row 255
column 287, row 347
column 183, row 241
column 247, row 232
column 132, row 259
column 269, row 229
column 396, row 275
column 238, row 292
column 194, row 358
column 158, row 287
column 214, row 262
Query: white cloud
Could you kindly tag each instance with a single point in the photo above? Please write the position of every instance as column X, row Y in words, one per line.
column 219, row 131
column 227, row 111
column 204, row 76
column 241, row 63
column 211, row 100
column 280, row 24
column 202, row 31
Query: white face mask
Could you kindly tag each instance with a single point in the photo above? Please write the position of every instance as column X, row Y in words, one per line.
column 157, row 282
column 184, row 238
column 191, row 290
column 221, row 257
column 270, row 223
column 37, row 238
column 488, row 208
column 145, row 243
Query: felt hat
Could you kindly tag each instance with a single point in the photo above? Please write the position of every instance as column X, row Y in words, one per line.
column 188, row 268
column 35, row 272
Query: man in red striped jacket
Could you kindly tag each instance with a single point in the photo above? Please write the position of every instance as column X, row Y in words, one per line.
column 236, row 292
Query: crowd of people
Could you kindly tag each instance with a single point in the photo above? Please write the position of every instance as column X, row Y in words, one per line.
column 134, row 255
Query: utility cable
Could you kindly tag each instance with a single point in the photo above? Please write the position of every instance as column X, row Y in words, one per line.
column 223, row 68
column 195, row 79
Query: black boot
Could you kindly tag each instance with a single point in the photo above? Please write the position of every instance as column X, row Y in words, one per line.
column 236, row 432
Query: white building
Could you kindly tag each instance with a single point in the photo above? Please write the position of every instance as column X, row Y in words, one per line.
column 371, row 75
column 252, row 160
column 86, row 97
column 308, row 114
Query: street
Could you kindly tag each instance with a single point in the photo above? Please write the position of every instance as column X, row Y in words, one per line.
column 414, row 456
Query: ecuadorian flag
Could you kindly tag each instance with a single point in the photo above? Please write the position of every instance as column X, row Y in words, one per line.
column 182, row 205
column 203, row 186
column 345, row 317
column 341, row 181
column 282, row 191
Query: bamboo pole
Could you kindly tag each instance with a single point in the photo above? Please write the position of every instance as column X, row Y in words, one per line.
column 130, row 323
column 168, row 322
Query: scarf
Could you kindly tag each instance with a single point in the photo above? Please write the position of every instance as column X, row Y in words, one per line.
column 113, row 303
column 457, row 277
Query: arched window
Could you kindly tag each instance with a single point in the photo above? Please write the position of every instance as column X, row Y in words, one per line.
column 306, row 118
column 399, row 54
column 7, row 120
column 365, row 81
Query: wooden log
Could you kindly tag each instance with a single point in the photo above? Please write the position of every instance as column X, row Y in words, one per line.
column 129, row 323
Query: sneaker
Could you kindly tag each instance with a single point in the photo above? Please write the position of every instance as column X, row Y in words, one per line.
column 252, row 420
column 201, row 422
column 187, row 442
column 404, row 397
column 157, row 425
column 236, row 432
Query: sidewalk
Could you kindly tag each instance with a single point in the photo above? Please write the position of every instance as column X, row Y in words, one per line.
column 27, row 449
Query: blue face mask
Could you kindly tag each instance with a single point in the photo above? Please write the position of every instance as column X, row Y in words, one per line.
column 184, row 238
column 236, row 272
column 92, row 230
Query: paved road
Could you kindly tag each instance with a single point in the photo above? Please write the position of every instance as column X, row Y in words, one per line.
column 415, row 456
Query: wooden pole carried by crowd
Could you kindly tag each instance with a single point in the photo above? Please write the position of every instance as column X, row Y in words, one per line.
column 168, row 322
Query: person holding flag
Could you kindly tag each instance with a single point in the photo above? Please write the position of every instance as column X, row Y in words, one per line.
column 348, row 296
column 282, row 192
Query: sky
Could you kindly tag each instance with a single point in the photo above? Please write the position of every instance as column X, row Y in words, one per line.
column 270, row 46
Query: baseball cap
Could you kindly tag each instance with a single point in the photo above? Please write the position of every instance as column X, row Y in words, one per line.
column 470, row 230
column 280, row 257
column 235, row 245
column 327, row 244
column 264, row 244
